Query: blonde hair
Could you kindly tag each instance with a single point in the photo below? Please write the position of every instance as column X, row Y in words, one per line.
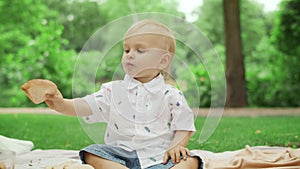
column 157, row 28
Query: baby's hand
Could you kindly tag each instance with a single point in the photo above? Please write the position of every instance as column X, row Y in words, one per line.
column 176, row 153
column 54, row 100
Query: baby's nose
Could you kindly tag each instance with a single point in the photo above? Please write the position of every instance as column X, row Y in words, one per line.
column 130, row 55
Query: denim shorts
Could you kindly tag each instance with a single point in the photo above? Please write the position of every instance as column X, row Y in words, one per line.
column 119, row 155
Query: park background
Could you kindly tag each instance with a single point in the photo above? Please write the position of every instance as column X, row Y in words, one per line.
column 42, row 39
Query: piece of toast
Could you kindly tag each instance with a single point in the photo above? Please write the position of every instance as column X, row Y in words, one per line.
column 2, row 165
column 37, row 89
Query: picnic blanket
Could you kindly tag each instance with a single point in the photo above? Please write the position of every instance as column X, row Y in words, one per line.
column 248, row 157
column 15, row 145
column 252, row 157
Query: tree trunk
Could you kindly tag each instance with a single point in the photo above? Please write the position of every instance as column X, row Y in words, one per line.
column 235, row 71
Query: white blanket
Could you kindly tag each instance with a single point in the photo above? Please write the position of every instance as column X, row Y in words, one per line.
column 249, row 157
column 15, row 145
column 39, row 159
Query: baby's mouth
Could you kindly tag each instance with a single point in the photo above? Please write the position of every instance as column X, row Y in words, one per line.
column 129, row 65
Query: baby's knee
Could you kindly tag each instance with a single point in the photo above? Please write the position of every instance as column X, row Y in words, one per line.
column 190, row 163
column 194, row 162
column 101, row 163
column 89, row 158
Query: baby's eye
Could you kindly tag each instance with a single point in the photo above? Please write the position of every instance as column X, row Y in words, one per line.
column 126, row 50
column 141, row 50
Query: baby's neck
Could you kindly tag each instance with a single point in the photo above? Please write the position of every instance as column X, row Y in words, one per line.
column 145, row 79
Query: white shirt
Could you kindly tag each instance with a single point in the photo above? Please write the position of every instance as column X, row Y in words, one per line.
column 141, row 116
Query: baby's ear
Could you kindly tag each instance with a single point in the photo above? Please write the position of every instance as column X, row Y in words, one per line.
column 165, row 61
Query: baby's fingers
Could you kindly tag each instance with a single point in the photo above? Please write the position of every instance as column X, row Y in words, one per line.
column 185, row 153
column 177, row 156
column 50, row 96
column 54, row 97
column 50, row 104
column 170, row 154
column 173, row 156
column 52, row 100
column 166, row 157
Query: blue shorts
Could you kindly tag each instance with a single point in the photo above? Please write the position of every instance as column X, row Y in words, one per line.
column 119, row 155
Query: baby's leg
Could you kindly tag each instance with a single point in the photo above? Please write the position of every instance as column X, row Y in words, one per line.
column 101, row 163
column 190, row 163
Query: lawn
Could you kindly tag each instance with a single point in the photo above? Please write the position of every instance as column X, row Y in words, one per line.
column 232, row 133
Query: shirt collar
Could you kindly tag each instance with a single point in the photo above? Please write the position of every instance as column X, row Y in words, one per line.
column 152, row 86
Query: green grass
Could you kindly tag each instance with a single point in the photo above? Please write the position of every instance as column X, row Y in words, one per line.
column 232, row 133
column 45, row 131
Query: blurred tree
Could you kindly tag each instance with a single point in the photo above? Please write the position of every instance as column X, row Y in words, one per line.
column 235, row 70
column 254, row 23
column 286, row 33
column 211, row 22
column 38, row 37
column 30, row 47
column 79, row 18
column 18, row 26
column 263, row 75
column 82, row 18
column 286, row 37
column 116, row 9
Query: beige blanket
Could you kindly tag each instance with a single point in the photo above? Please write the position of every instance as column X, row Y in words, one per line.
column 252, row 157
column 249, row 157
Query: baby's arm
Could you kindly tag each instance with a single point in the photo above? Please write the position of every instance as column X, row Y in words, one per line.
column 73, row 107
column 178, row 147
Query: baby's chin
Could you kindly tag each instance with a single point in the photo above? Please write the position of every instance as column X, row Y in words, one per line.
column 130, row 74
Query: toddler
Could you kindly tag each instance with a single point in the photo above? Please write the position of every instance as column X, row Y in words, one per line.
column 149, row 122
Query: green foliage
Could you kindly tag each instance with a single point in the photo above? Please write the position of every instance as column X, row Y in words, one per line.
column 41, row 39
column 94, row 68
column 285, row 37
column 116, row 9
column 204, row 86
column 211, row 22
column 286, row 33
column 192, row 79
column 199, row 78
column 261, row 82
column 272, row 71
column 79, row 18
column 32, row 49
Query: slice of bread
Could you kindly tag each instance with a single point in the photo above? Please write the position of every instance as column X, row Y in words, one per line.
column 37, row 89
column 2, row 165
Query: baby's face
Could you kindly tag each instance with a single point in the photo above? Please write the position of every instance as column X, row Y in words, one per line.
column 144, row 56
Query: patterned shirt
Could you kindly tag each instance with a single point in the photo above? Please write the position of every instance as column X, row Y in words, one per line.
column 141, row 116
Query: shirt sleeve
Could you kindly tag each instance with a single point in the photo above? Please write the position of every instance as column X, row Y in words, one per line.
column 99, row 103
column 182, row 117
